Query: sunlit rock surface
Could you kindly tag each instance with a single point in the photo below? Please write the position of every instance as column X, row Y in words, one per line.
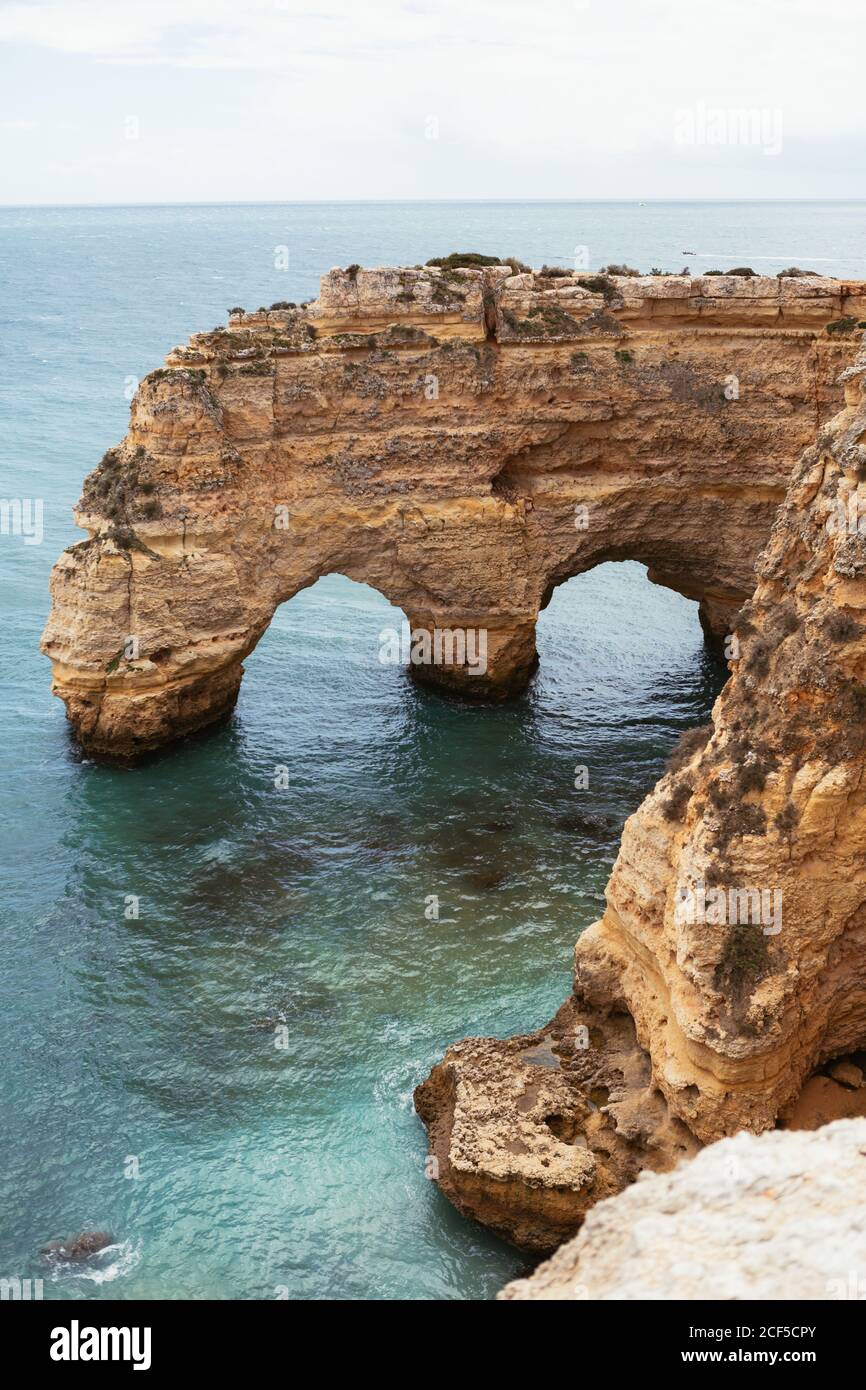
column 734, row 937
column 780, row 1216
column 463, row 441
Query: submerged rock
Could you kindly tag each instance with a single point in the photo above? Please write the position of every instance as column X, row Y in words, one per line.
column 79, row 1247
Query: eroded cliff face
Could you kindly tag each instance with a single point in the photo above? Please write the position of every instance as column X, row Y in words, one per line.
column 780, row 1216
column 734, row 939
column 462, row 440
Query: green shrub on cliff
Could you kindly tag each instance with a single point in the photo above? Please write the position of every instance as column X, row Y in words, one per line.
column 464, row 260
column 599, row 284
column 743, row 961
column 759, row 655
column 262, row 366
column 841, row 627
column 787, row 818
column 475, row 260
column 689, row 743
column 751, row 777
column 674, row 805
column 543, row 321
column 193, row 375
column 845, row 325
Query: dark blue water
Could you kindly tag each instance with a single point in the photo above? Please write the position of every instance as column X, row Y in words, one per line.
column 296, row 916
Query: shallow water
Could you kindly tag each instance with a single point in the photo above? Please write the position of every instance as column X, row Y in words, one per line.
column 292, row 916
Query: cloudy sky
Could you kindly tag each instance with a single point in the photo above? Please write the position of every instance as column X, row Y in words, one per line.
column 235, row 100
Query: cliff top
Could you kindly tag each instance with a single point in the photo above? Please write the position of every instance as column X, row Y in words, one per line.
column 495, row 303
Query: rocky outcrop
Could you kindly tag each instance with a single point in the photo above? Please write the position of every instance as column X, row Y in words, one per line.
column 782, row 1216
column 774, row 803
column 734, row 937
column 77, row 1248
column 527, row 1134
column 461, row 439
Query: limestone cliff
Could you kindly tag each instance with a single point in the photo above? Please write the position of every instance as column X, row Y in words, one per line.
column 731, row 952
column 780, row 1216
column 461, row 439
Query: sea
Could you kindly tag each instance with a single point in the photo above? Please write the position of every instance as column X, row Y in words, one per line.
column 223, row 1082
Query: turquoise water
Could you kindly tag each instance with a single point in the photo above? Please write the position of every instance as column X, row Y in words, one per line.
column 268, row 1170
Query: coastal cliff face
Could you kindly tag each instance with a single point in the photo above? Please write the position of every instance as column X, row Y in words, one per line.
column 732, row 948
column 463, row 440
column 779, row 1216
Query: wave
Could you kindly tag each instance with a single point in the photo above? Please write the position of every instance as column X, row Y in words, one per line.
column 113, row 1262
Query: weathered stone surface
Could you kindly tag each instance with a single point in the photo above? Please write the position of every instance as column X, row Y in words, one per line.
column 738, row 998
column 401, row 431
column 847, row 1074
column 528, row 1133
column 736, row 1017
column 780, row 1216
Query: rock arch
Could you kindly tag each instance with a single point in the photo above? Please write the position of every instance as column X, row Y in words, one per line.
column 461, row 440
column 728, row 966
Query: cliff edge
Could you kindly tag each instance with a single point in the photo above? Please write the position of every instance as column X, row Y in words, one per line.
column 729, row 964
column 461, row 439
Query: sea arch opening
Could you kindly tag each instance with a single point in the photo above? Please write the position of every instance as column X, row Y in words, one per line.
column 617, row 646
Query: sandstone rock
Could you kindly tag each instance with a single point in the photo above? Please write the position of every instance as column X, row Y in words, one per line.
column 528, row 1133
column 735, row 929
column 399, row 431
column 736, row 1017
column 847, row 1073
column 782, row 1216
column 821, row 1101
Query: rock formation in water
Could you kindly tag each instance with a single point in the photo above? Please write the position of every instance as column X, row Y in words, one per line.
column 78, row 1247
column 780, row 1216
column 730, row 963
column 461, row 439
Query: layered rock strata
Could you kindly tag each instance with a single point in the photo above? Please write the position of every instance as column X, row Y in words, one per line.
column 463, row 440
column 734, row 937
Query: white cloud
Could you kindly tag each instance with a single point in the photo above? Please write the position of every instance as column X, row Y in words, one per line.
column 567, row 87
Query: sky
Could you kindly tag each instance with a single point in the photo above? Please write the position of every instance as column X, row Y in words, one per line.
column 125, row 101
